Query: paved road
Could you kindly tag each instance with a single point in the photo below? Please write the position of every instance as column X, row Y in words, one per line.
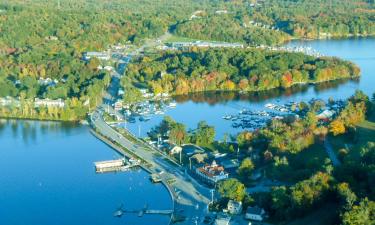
column 331, row 153
column 191, row 198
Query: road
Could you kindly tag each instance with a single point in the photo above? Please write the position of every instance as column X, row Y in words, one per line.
column 190, row 198
column 331, row 153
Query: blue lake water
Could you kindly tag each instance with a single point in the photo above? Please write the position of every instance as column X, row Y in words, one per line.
column 48, row 178
column 213, row 106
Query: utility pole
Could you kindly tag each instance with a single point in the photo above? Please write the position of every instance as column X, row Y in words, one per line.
column 139, row 130
column 212, row 195
column 180, row 156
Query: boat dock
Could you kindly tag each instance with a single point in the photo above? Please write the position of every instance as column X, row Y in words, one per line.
column 115, row 165
column 155, row 178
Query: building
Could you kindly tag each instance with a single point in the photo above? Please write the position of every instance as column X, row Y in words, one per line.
column 190, row 150
column 255, row 213
column 325, row 114
column 211, row 174
column 222, row 219
column 8, row 101
column 175, row 149
column 204, row 44
column 234, row 207
column 99, row 55
column 49, row 102
column 118, row 105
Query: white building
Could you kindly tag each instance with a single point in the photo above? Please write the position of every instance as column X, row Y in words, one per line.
column 99, row 55
column 175, row 149
column 234, row 207
column 255, row 213
column 211, row 174
column 49, row 102
column 118, row 105
column 222, row 221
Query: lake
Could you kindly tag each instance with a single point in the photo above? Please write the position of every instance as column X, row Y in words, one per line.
column 211, row 107
column 48, row 178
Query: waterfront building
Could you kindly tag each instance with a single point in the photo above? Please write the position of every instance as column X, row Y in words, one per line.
column 49, row 102
column 211, row 174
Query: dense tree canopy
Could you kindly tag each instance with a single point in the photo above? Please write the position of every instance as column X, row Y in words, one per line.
column 234, row 69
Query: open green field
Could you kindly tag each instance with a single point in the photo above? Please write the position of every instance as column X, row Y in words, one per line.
column 365, row 132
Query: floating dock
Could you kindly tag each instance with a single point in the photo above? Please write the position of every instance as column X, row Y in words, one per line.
column 115, row 165
column 110, row 165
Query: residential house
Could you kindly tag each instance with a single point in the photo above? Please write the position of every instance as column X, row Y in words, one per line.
column 325, row 114
column 175, row 149
column 255, row 213
column 99, row 55
column 49, row 102
column 118, row 105
column 211, row 174
column 222, row 220
column 234, row 207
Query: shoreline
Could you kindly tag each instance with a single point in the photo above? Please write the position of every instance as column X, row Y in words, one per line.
column 125, row 153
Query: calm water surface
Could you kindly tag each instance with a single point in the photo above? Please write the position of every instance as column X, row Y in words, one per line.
column 211, row 107
column 48, row 178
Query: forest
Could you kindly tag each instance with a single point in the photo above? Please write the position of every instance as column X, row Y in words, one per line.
column 253, row 69
column 44, row 41
column 273, row 22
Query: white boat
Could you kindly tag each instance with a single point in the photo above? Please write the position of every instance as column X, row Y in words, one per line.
column 172, row 104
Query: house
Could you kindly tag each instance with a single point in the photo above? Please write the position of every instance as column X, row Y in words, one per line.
column 49, row 102
column 175, row 149
column 221, row 12
column 108, row 68
column 191, row 150
column 211, row 174
column 99, row 55
column 118, row 105
column 222, row 219
column 325, row 114
column 145, row 93
column 8, row 101
column 234, row 207
column 255, row 213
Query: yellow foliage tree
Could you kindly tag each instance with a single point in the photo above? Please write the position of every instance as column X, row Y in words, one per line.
column 337, row 127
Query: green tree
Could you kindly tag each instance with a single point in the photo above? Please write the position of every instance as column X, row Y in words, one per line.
column 232, row 189
column 361, row 214
column 246, row 168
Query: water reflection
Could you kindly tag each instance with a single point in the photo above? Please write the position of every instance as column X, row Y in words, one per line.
column 221, row 97
column 29, row 130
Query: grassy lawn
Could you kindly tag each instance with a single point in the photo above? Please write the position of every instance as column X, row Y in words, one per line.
column 365, row 133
